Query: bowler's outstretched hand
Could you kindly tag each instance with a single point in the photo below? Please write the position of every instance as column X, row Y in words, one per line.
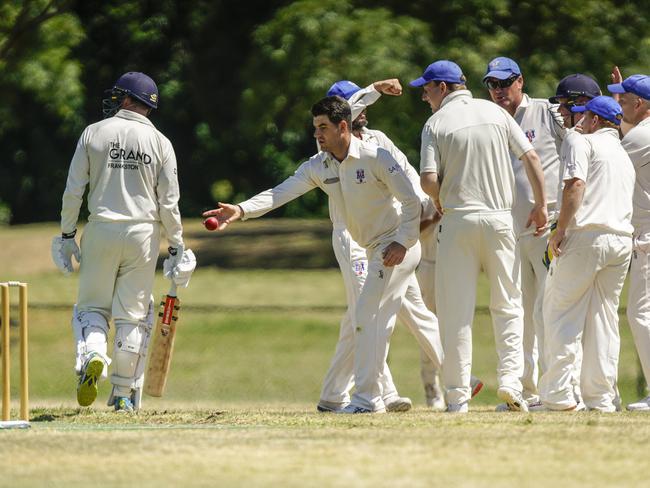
column 226, row 213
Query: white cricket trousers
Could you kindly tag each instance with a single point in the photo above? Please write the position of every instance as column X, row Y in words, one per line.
column 426, row 276
column 530, row 252
column 638, row 298
column 468, row 241
column 376, row 311
column 581, row 296
column 339, row 379
column 118, row 262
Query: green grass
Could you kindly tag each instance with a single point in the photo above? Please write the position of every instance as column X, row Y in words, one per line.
column 265, row 445
column 251, row 351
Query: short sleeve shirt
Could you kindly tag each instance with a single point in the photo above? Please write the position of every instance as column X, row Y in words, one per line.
column 468, row 143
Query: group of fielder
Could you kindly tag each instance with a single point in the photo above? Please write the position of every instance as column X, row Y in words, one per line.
column 550, row 198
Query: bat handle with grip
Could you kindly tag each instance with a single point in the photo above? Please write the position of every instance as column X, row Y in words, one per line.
column 172, row 290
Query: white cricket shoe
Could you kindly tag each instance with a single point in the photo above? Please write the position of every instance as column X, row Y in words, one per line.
column 513, row 398
column 400, row 404
column 354, row 409
column 457, row 408
column 330, row 407
column 640, row 406
column 540, row 407
column 504, row 407
column 434, row 398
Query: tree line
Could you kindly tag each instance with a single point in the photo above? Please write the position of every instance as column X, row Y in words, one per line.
column 237, row 79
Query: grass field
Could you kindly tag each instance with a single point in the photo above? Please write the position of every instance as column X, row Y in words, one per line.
column 252, row 349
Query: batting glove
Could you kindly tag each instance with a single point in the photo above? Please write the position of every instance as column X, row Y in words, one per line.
column 63, row 248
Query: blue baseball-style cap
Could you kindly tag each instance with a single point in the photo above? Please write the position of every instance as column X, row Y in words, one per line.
column 605, row 107
column 442, row 70
column 502, row 68
column 343, row 88
column 637, row 84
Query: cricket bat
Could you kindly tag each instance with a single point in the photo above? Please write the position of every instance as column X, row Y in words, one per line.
column 162, row 347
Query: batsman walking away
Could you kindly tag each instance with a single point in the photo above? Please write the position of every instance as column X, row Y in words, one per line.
column 130, row 169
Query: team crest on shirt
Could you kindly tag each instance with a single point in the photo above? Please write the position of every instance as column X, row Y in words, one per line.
column 361, row 176
column 530, row 134
column 359, row 268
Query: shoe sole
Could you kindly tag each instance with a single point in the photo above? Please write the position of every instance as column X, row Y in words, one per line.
column 630, row 408
column 327, row 409
column 513, row 402
column 399, row 406
column 87, row 389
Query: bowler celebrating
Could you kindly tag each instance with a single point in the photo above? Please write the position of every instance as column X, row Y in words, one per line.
column 364, row 181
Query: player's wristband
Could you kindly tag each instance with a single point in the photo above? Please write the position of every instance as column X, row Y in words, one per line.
column 69, row 235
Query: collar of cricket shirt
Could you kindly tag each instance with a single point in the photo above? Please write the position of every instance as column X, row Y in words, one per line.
column 608, row 131
column 525, row 102
column 131, row 115
column 354, row 149
column 645, row 121
column 457, row 95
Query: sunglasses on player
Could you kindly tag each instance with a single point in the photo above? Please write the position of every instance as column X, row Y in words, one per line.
column 493, row 83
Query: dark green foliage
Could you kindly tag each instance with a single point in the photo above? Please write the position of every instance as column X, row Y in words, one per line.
column 237, row 79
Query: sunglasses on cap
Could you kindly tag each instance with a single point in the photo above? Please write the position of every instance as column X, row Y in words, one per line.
column 493, row 84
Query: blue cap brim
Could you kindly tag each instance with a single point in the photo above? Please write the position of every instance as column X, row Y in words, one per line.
column 616, row 88
column 419, row 82
column 499, row 75
column 578, row 108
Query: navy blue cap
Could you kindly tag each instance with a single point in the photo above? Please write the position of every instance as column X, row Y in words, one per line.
column 637, row 84
column 502, row 68
column 442, row 70
column 605, row 107
column 140, row 86
column 343, row 88
column 576, row 85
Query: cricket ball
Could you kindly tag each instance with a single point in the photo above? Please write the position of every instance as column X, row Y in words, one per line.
column 211, row 223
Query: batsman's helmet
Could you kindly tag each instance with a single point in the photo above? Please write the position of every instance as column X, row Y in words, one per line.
column 574, row 86
column 343, row 88
column 132, row 84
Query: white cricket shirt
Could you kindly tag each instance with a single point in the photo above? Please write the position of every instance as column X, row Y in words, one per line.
column 468, row 143
column 363, row 187
column 130, row 168
column 600, row 161
column 542, row 125
column 571, row 137
column 637, row 145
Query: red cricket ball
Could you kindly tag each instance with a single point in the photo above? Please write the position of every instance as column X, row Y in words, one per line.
column 211, row 223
